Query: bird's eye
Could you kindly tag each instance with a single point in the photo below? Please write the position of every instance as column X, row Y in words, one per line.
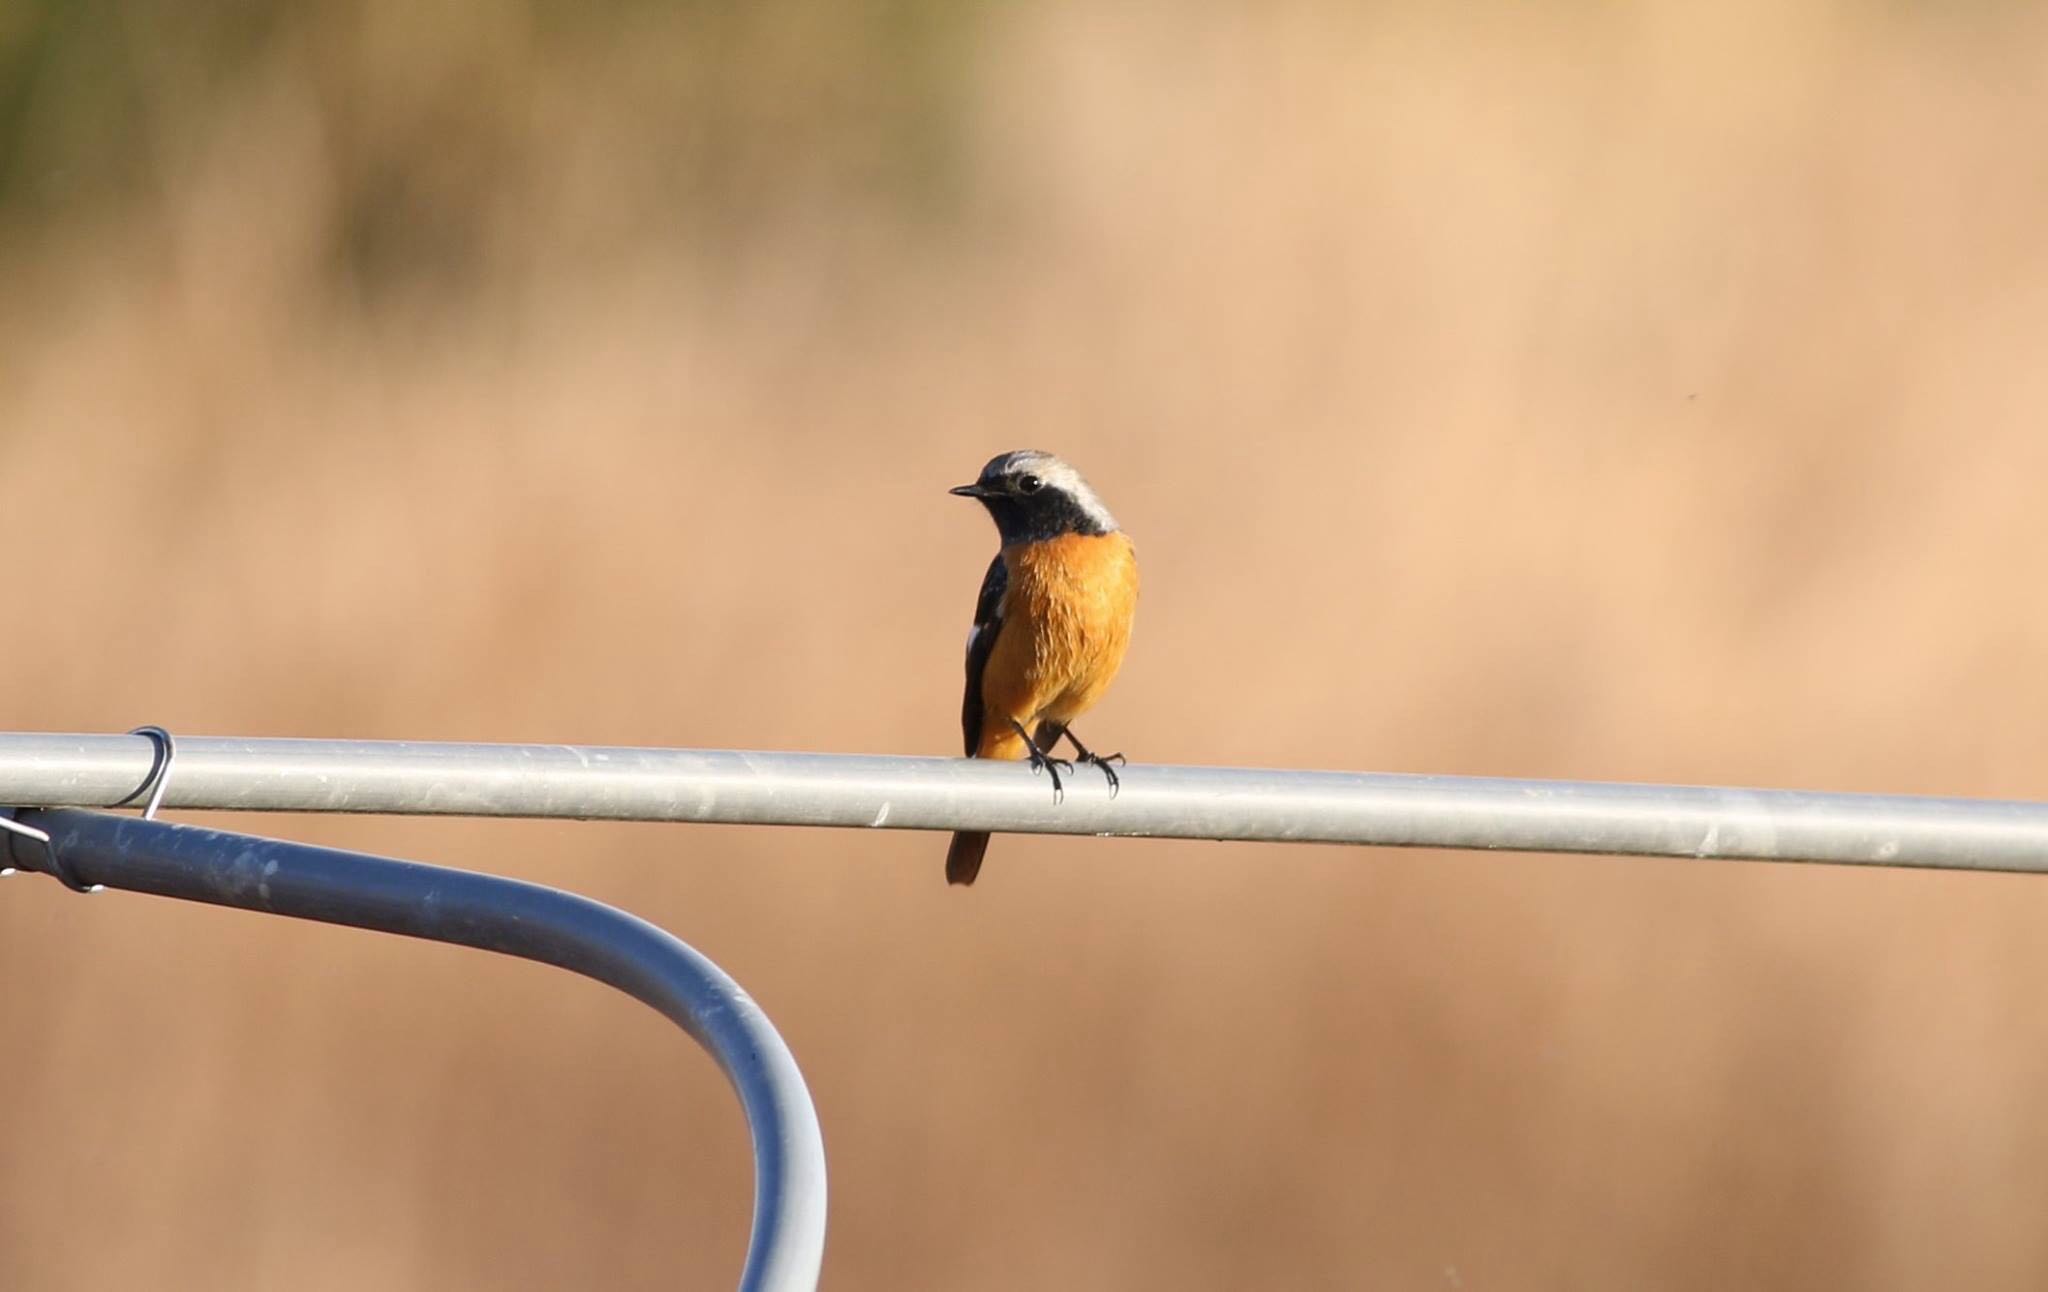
column 1029, row 484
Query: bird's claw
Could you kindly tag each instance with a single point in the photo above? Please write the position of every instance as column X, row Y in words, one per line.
column 1108, row 763
column 1051, row 767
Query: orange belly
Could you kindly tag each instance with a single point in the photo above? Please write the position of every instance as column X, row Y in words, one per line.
column 1065, row 626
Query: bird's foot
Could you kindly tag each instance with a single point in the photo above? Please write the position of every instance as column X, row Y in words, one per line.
column 1108, row 763
column 1041, row 761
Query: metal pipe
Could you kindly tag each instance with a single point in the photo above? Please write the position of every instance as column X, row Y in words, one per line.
column 512, row 918
column 738, row 787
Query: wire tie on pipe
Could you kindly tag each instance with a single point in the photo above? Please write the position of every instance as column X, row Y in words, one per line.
column 164, row 751
column 58, row 867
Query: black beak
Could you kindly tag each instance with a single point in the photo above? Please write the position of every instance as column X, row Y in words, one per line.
column 970, row 490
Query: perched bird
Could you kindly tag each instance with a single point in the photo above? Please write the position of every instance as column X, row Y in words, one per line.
column 1050, row 626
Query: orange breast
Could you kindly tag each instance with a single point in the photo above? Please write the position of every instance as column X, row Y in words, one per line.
column 1066, row 624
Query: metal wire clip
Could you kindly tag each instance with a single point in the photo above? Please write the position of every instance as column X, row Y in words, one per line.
column 165, row 751
column 159, row 778
column 58, row 867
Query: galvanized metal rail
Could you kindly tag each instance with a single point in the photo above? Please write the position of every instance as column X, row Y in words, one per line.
column 91, row 849
column 53, row 773
column 947, row 793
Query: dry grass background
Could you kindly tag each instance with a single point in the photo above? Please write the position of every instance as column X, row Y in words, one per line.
column 1650, row 392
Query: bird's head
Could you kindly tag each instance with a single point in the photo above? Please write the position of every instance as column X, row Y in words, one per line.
column 1034, row 496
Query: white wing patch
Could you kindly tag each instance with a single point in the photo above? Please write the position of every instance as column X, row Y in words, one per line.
column 977, row 631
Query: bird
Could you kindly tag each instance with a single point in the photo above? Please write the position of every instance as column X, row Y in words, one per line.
column 1051, row 624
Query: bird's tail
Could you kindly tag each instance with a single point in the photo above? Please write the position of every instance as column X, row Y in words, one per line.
column 963, row 858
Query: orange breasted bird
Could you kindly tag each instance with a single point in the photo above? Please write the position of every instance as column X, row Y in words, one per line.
column 1050, row 626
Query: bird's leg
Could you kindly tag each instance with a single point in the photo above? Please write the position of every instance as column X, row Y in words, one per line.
column 1103, row 761
column 1043, row 761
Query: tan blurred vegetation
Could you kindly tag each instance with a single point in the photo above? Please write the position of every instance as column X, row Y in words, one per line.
column 1642, row 392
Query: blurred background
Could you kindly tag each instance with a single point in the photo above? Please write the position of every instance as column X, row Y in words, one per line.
column 1645, row 392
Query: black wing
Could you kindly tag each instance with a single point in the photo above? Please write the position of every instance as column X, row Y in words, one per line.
column 981, row 640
